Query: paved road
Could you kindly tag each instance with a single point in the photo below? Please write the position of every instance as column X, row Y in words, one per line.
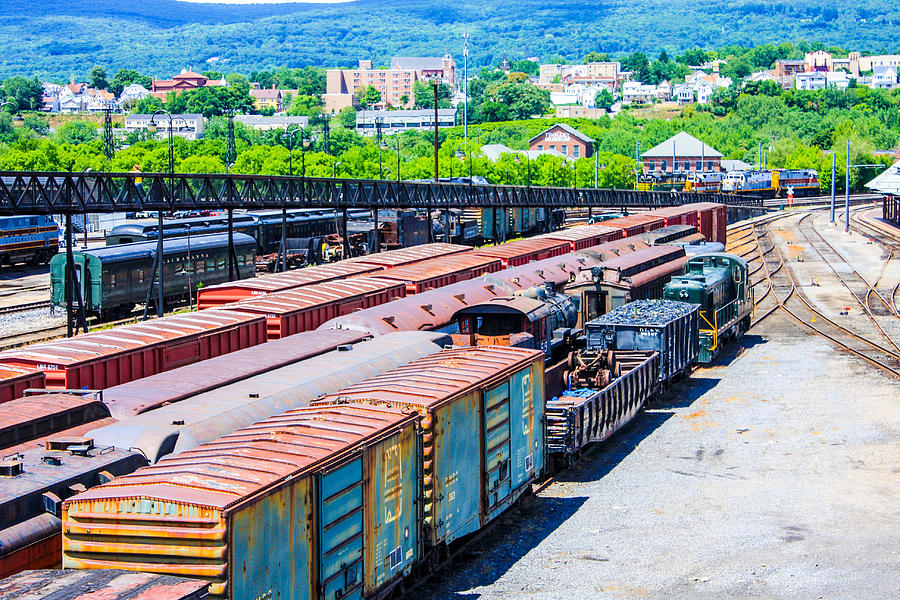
column 774, row 478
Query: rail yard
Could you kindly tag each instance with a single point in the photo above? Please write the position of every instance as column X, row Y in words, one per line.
column 610, row 410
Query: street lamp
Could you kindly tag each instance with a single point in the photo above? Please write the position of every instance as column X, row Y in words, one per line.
column 334, row 167
column 847, row 188
column 528, row 165
column 289, row 135
column 17, row 120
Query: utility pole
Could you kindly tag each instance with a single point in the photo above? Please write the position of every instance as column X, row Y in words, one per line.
column 847, row 192
column 833, row 166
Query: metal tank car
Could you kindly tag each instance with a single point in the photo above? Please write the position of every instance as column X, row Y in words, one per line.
column 719, row 284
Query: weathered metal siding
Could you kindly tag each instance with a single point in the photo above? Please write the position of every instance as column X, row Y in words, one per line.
column 393, row 545
column 272, row 543
column 341, row 532
column 405, row 256
column 32, row 544
column 456, row 466
column 15, row 380
column 35, row 416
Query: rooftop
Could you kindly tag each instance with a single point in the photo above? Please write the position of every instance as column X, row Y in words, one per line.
column 682, row 144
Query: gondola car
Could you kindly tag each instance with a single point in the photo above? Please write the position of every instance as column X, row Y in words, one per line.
column 31, row 239
column 113, row 279
column 718, row 282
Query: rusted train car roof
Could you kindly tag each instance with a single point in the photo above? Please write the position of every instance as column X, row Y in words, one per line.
column 403, row 256
column 298, row 277
column 314, row 295
column 105, row 584
column 27, row 418
column 91, row 346
column 135, row 397
column 232, row 468
column 519, row 247
column 438, row 378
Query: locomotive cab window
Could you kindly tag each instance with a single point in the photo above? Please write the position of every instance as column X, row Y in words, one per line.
column 736, row 274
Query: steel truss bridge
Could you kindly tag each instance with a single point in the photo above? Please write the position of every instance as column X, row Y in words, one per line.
column 63, row 193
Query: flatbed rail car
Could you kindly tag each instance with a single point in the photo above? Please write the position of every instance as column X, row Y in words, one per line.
column 719, row 284
column 585, row 415
column 108, row 584
column 32, row 239
column 112, row 280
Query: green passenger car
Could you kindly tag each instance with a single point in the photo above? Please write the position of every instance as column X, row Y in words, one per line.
column 112, row 280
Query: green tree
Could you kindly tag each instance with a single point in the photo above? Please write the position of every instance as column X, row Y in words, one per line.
column 594, row 56
column 347, row 117
column 639, row 64
column 125, row 77
column 424, row 95
column 27, row 93
column 368, row 95
column 98, row 78
column 148, row 105
column 76, row 132
column 526, row 66
column 604, row 99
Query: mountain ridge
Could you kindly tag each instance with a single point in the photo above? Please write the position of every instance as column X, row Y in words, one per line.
column 58, row 39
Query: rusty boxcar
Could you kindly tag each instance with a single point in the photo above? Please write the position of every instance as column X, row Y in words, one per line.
column 483, row 443
column 304, row 309
column 102, row 359
column 432, row 274
column 15, row 380
column 520, row 252
column 234, row 291
column 313, row 503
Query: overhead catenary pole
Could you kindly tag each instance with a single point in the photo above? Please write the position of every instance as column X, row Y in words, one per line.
column 466, row 96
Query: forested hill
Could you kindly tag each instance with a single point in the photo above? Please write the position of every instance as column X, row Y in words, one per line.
column 59, row 38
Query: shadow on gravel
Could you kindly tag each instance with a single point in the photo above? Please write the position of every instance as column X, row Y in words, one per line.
column 733, row 351
column 602, row 458
column 503, row 543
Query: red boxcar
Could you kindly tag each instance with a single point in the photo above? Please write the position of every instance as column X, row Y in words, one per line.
column 584, row 236
column 637, row 223
column 306, row 308
column 105, row 358
column 15, row 380
column 234, row 291
column 677, row 215
column 406, row 256
column 713, row 220
column 519, row 252
column 439, row 272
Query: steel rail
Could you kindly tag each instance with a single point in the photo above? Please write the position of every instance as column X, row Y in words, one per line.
column 844, row 280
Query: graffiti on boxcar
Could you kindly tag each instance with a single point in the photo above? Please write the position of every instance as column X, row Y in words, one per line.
column 392, row 468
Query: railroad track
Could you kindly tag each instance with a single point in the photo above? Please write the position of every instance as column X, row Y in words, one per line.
column 860, row 289
column 4, row 310
column 782, row 293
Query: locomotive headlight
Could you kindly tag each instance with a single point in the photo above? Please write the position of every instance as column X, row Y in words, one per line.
column 683, row 293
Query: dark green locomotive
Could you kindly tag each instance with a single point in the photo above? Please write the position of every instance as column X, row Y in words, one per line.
column 112, row 280
column 719, row 283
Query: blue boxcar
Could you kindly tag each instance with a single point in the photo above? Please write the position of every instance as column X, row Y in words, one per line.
column 468, row 479
column 31, row 238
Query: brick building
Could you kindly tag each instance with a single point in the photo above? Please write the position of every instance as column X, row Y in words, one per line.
column 186, row 80
column 564, row 139
column 681, row 153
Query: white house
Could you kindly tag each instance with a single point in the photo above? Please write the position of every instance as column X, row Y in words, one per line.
column 635, row 92
column 704, row 93
column 684, row 93
column 810, row 81
column 884, row 79
column 189, row 126
column 133, row 93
